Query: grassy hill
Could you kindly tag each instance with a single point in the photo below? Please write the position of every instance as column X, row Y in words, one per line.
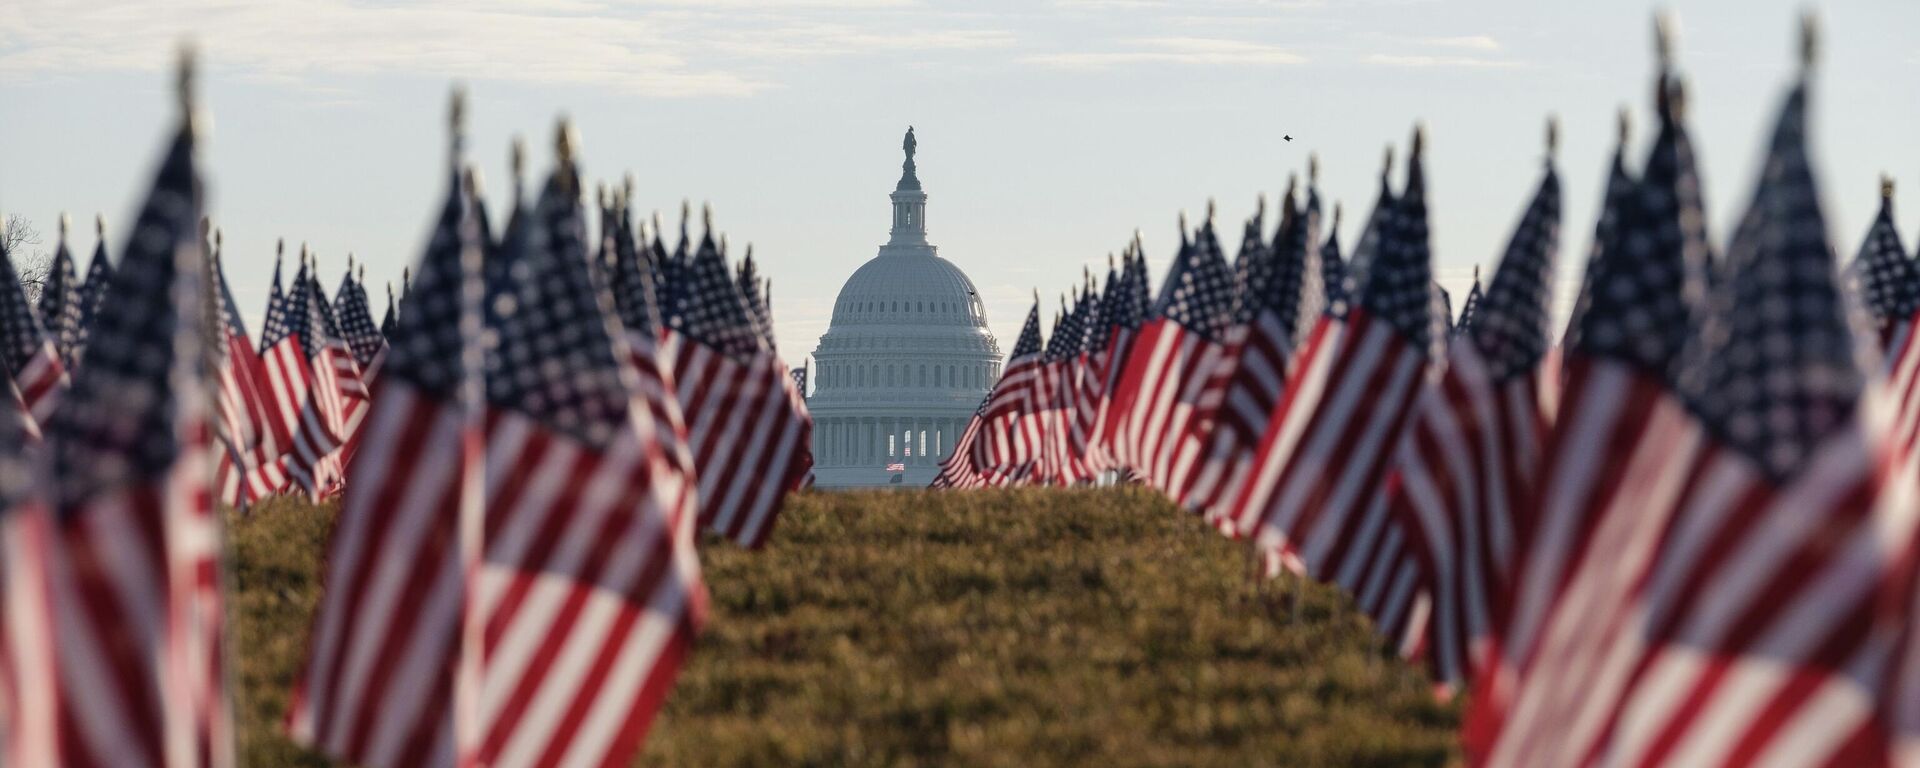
column 988, row 628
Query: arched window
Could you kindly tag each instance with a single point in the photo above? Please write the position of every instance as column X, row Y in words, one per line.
column 889, row 375
column 950, row 378
column 860, row 377
column 923, row 375
column 896, row 306
column 936, row 375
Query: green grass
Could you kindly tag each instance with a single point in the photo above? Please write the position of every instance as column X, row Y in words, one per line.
column 990, row 628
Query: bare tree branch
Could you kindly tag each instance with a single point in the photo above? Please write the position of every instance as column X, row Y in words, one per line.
column 32, row 265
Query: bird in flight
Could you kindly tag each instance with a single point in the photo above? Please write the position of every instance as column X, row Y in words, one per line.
column 1288, row 138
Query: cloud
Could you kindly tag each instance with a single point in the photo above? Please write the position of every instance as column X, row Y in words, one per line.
column 1174, row 50
column 1470, row 42
column 1457, row 62
column 672, row 48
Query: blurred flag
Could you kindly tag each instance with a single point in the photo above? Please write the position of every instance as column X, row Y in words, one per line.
column 60, row 300
column 1882, row 274
column 747, row 426
column 589, row 586
column 93, row 289
column 136, row 579
column 1468, row 464
column 1010, row 428
column 896, row 467
column 390, row 679
column 1755, row 628
column 1618, row 416
column 26, row 350
column 29, row 690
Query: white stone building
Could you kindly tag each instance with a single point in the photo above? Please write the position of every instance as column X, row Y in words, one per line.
column 905, row 361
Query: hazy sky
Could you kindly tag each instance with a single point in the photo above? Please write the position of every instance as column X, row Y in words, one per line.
column 1048, row 130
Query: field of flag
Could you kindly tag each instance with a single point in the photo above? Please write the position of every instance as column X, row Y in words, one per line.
column 1682, row 530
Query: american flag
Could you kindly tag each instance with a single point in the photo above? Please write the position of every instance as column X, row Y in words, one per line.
column 247, row 416
column 1467, row 465
column 896, row 467
column 1128, row 304
column 60, row 300
column 356, row 323
column 1087, row 377
column 1164, row 401
column 390, row 322
column 136, row 579
column 1882, row 274
column 1055, row 391
column 1470, row 306
column 635, row 283
column 1009, row 442
column 1368, row 244
column 963, row 468
column 1279, row 303
column 1644, row 277
column 1754, row 629
column 351, row 379
column 302, row 373
column 26, row 350
column 747, row 426
column 390, row 677
column 93, row 288
column 29, row 690
column 589, row 586
column 799, row 379
column 1328, row 441
column 1334, row 268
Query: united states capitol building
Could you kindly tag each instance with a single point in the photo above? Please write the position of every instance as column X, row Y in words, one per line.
column 905, row 361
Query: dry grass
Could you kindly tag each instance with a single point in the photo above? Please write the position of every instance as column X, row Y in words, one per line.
column 993, row 628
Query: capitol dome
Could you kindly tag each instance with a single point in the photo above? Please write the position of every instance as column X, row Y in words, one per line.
column 905, row 361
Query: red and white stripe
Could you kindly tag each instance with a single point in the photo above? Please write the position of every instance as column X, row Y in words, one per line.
column 29, row 688
column 1255, row 365
column 749, row 434
column 1721, row 619
column 590, row 591
column 378, row 688
column 1467, row 473
column 41, row 380
column 1164, row 404
column 1110, row 364
column 320, row 425
column 1328, row 444
column 1011, row 431
column 137, row 598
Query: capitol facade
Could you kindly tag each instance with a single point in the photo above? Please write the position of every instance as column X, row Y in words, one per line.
column 905, row 361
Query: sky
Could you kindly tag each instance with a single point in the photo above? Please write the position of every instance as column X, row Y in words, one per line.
column 1049, row 130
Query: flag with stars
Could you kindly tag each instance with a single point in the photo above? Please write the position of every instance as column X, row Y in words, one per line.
column 1328, row 440
column 60, row 301
column 302, row 372
column 250, row 426
column 93, row 289
column 1882, row 276
column 273, row 328
column 1259, row 348
column 1062, row 462
column 390, row 663
column 356, row 324
column 1010, row 438
column 1466, row 468
column 1128, row 303
column 1765, row 545
column 589, row 590
column 136, row 581
column 1165, row 399
column 747, row 427
column 25, row 348
column 1470, row 307
column 635, row 287
column 1618, row 412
